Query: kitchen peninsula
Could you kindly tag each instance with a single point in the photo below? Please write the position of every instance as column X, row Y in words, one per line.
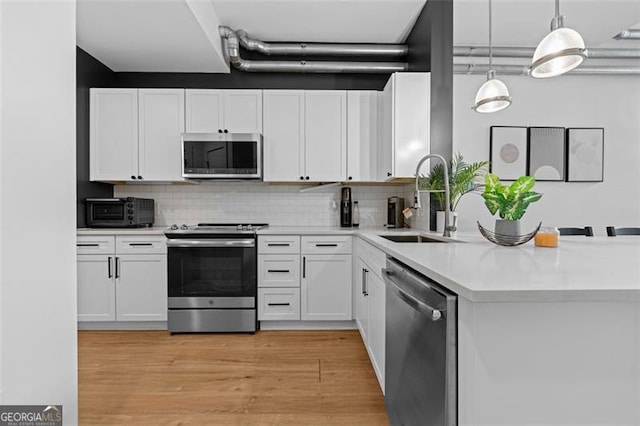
column 545, row 335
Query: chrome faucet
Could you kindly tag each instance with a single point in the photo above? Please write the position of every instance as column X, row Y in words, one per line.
column 447, row 207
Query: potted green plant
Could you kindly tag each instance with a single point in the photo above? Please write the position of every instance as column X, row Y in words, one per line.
column 462, row 180
column 510, row 202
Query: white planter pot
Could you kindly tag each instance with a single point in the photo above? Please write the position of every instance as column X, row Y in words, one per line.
column 440, row 220
column 507, row 227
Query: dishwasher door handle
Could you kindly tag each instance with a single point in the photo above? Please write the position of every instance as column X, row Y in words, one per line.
column 434, row 314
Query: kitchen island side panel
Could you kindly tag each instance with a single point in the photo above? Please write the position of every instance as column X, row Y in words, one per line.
column 549, row 363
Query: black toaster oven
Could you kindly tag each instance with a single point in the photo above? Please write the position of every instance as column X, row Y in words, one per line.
column 127, row 212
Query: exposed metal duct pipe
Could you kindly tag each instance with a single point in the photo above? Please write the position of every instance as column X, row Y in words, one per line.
column 527, row 52
column 524, row 70
column 331, row 49
column 233, row 49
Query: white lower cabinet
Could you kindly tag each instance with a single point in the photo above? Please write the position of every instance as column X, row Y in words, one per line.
column 96, row 288
column 117, row 285
column 376, row 335
column 304, row 278
column 278, row 304
column 326, row 287
column 139, row 293
column 278, row 277
column 370, row 304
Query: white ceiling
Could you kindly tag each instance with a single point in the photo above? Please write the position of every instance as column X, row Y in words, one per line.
column 345, row 21
column 526, row 22
column 181, row 35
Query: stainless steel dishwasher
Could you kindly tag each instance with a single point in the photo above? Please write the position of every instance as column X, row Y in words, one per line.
column 421, row 349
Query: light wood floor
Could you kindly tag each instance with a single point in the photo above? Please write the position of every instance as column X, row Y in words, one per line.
column 270, row 378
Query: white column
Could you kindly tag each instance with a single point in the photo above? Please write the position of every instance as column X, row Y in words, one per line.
column 38, row 346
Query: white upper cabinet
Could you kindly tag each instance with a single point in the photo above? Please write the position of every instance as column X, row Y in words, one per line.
column 305, row 135
column 161, row 115
column 135, row 134
column 214, row 111
column 113, row 134
column 362, row 136
column 204, row 111
column 404, row 124
column 283, row 135
column 326, row 135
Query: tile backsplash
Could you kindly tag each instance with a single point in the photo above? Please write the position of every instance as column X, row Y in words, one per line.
column 277, row 205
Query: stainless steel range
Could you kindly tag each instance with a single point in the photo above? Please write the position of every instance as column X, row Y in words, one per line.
column 212, row 271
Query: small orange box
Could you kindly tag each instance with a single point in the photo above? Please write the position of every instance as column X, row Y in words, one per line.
column 547, row 237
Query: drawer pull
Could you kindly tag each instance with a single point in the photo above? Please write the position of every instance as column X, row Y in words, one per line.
column 284, row 271
column 278, row 244
column 279, row 304
column 326, row 245
column 88, row 245
column 140, row 244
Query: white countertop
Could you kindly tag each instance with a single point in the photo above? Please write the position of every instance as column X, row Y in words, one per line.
column 156, row 230
column 580, row 269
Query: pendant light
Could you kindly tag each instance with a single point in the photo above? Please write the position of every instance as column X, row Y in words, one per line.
column 559, row 52
column 493, row 95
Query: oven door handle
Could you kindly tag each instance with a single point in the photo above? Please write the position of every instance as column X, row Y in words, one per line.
column 180, row 243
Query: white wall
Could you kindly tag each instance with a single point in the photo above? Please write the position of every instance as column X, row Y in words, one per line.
column 37, row 205
column 611, row 102
column 277, row 205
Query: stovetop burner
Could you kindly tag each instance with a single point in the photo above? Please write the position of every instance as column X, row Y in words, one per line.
column 216, row 228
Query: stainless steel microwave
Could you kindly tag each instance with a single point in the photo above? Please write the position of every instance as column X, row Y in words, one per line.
column 222, row 155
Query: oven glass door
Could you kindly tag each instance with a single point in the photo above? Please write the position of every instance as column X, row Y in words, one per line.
column 107, row 211
column 212, row 272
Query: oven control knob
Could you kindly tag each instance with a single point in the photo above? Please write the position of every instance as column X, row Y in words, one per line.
column 174, row 227
column 239, row 227
column 249, row 227
column 130, row 217
column 130, row 211
column 184, row 227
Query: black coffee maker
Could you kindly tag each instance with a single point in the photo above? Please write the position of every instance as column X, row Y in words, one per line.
column 345, row 207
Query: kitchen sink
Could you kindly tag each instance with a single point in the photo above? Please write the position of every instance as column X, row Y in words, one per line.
column 412, row 239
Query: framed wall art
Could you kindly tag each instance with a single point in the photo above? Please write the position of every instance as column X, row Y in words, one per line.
column 508, row 152
column 546, row 153
column 585, row 155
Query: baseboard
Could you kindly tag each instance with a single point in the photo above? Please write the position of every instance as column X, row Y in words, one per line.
column 123, row 325
column 308, row 325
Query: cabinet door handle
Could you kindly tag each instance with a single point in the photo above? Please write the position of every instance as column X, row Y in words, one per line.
column 140, row 244
column 304, row 267
column 219, row 130
column 301, row 177
column 133, row 177
column 285, row 271
column 117, row 267
column 279, row 304
column 278, row 244
column 306, row 177
column 362, row 281
column 350, row 178
column 87, row 245
column 226, row 130
column 110, row 274
column 326, row 245
column 366, row 282
column 139, row 177
column 388, row 173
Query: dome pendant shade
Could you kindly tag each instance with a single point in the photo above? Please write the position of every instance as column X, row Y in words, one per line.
column 492, row 96
column 559, row 52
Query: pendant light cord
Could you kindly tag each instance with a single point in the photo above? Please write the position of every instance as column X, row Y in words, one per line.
column 490, row 44
column 557, row 8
